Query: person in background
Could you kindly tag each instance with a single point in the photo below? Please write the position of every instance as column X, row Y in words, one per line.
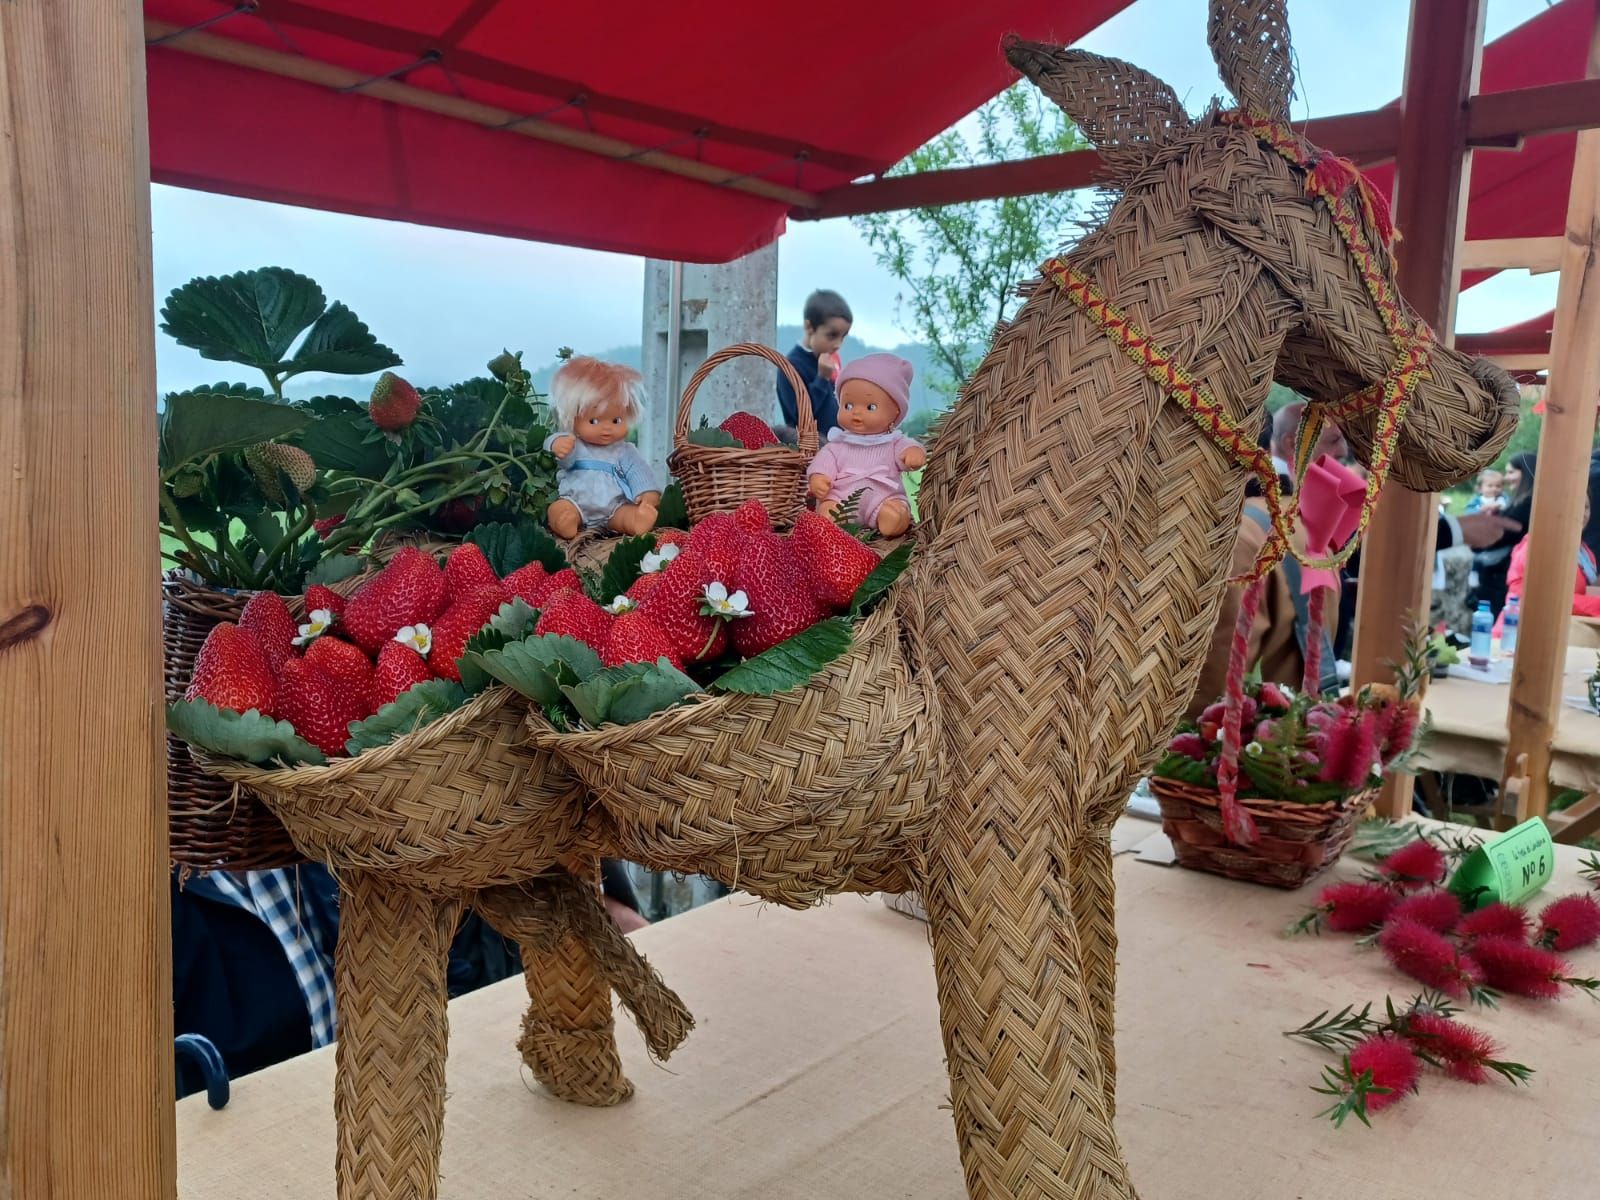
column 1493, row 562
column 1585, row 582
column 1490, row 496
column 816, row 360
column 1286, row 428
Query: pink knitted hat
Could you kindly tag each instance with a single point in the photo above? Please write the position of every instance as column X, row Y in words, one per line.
column 889, row 371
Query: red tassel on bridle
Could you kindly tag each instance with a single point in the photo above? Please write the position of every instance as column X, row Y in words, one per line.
column 1333, row 176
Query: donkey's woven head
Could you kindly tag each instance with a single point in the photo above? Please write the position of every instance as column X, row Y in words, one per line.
column 1319, row 231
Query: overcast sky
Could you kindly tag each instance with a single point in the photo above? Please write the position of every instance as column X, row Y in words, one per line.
column 446, row 300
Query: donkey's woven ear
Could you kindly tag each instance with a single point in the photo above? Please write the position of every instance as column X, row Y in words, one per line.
column 1125, row 111
column 1250, row 41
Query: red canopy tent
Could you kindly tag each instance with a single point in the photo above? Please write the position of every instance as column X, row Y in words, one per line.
column 775, row 110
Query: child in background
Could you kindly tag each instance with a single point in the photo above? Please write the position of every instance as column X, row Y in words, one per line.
column 816, row 360
column 1490, row 496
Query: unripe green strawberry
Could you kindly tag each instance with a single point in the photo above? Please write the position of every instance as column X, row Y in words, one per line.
column 267, row 459
column 394, row 403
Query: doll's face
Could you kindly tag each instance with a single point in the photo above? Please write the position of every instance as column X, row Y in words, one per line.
column 866, row 408
column 603, row 422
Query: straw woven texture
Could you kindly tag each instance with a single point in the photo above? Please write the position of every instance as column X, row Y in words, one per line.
column 720, row 478
column 1297, row 842
column 823, row 789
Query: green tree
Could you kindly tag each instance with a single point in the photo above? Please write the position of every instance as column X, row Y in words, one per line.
column 960, row 265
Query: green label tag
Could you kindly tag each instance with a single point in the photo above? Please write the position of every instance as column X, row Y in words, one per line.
column 1508, row 868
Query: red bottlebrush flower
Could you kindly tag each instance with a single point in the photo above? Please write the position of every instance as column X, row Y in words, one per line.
column 1349, row 750
column 1394, row 1067
column 327, row 525
column 1397, row 727
column 1494, row 920
column 1190, row 745
column 1570, row 923
column 1417, row 864
column 1430, row 958
column 1355, row 907
column 1433, row 909
column 1521, row 969
column 1460, row 1049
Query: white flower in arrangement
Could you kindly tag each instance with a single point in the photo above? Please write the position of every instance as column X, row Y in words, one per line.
column 317, row 624
column 1254, row 749
column 657, row 560
column 721, row 603
column 621, row 605
column 418, row 637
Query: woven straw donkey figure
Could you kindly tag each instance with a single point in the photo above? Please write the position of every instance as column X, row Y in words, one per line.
column 1078, row 527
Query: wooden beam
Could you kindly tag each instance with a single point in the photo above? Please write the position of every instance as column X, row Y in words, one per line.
column 1366, row 137
column 1443, row 54
column 86, row 1052
column 1506, row 118
column 314, row 71
column 1565, row 440
column 1536, row 255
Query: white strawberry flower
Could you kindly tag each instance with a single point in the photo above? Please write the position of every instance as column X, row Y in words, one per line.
column 621, row 605
column 419, row 637
column 657, row 560
column 318, row 622
column 719, row 602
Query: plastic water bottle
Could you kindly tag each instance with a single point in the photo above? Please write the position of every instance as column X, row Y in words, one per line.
column 1482, row 636
column 1508, row 627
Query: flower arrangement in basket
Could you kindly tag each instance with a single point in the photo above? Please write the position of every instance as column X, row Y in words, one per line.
column 1305, row 774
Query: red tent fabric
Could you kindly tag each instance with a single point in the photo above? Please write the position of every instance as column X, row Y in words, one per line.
column 805, row 102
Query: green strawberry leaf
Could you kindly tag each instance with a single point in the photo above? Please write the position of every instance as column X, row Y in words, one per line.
column 672, row 513
column 629, row 693
column 419, row 705
column 340, row 344
column 622, row 568
column 509, row 545
column 538, row 667
column 228, row 416
column 338, row 439
column 335, row 569
column 251, row 317
column 515, row 620
column 250, row 736
column 883, row 577
column 1183, row 769
column 712, row 437
column 789, row 664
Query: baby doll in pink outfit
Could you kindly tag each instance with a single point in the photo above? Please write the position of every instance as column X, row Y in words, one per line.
column 867, row 452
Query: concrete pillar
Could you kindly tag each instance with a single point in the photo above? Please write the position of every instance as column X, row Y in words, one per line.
column 721, row 305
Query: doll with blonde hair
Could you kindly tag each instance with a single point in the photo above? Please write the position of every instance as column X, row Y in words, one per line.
column 603, row 480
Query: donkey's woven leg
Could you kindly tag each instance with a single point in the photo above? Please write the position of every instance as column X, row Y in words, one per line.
column 568, row 1035
column 1094, row 908
column 389, row 980
column 1025, row 1072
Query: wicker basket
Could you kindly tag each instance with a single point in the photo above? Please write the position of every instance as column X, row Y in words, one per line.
column 463, row 802
column 1297, row 843
column 720, row 478
column 828, row 788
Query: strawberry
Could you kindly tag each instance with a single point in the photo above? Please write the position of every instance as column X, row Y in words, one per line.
column 565, row 580
column 267, row 460
column 671, row 537
column 347, row 665
column 232, row 672
column 267, row 616
column 319, row 709
column 325, row 598
column 467, row 570
column 673, row 605
column 399, row 668
column 527, row 582
column 394, row 403
column 749, row 430
column 643, row 586
column 833, row 563
column 408, row 591
column 456, row 625
column 574, row 615
column 781, row 604
column 713, row 546
column 326, row 525
column 635, row 638
column 751, row 516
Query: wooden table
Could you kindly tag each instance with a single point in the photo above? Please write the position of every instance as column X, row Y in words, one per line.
column 816, row 1073
column 1469, row 738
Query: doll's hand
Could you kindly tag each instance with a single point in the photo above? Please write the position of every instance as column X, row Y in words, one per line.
column 563, row 445
column 820, row 485
column 912, row 457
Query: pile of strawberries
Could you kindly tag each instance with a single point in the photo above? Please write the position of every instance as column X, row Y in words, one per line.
column 731, row 584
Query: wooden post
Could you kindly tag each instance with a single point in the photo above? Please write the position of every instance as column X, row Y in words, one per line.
column 1442, row 58
column 1561, row 483
column 86, row 1052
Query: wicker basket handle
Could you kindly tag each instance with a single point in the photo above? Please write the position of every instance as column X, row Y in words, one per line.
column 806, row 429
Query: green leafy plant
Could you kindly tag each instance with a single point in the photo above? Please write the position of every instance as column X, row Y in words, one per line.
column 250, row 736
